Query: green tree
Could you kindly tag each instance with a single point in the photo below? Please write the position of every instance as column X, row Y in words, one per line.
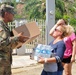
column 35, row 9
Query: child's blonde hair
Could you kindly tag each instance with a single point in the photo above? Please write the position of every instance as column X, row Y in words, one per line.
column 67, row 30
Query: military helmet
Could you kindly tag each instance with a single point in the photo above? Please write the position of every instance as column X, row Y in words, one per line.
column 7, row 8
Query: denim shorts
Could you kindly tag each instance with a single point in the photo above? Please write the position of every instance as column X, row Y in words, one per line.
column 48, row 73
column 52, row 73
column 59, row 72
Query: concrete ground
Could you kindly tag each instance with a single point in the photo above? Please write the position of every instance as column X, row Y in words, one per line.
column 22, row 64
column 22, row 61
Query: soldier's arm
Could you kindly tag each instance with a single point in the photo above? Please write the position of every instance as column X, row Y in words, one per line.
column 3, row 41
column 18, row 39
column 14, row 41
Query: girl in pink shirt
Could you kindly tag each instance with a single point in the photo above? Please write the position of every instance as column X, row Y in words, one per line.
column 69, row 54
column 68, row 42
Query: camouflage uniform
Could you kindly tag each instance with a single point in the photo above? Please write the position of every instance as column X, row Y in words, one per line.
column 5, row 49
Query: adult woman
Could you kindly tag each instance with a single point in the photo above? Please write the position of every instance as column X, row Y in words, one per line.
column 69, row 55
column 58, row 46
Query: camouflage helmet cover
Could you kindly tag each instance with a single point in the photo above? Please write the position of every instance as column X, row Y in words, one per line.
column 7, row 8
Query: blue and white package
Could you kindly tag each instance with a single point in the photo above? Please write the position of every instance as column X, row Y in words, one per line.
column 44, row 51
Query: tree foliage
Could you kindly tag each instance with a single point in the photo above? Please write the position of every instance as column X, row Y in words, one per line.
column 60, row 9
column 35, row 9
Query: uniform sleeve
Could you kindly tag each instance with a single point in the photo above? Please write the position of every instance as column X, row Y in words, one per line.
column 5, row 40
column 60, row 52
column 14, row 42
column 14, row 39
column 2, row 38
column 2, row 35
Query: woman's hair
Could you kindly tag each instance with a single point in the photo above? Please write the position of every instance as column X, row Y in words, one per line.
column 62, row 22
column 67, row 30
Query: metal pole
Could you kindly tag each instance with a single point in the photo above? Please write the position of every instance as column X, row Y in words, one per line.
column 50, row 18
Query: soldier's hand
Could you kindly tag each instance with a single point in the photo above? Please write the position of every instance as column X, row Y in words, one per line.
column 22, row 38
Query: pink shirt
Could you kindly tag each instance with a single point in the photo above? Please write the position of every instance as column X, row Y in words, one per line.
column 68, row 43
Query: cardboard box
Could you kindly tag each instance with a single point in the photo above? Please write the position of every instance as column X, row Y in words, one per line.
column 30, row 30
column 41, row 50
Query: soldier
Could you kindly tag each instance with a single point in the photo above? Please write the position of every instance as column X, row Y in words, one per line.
column 6, row 42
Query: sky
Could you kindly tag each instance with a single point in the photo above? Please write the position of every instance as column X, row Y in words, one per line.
column 17, row 0
column 8, row 0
